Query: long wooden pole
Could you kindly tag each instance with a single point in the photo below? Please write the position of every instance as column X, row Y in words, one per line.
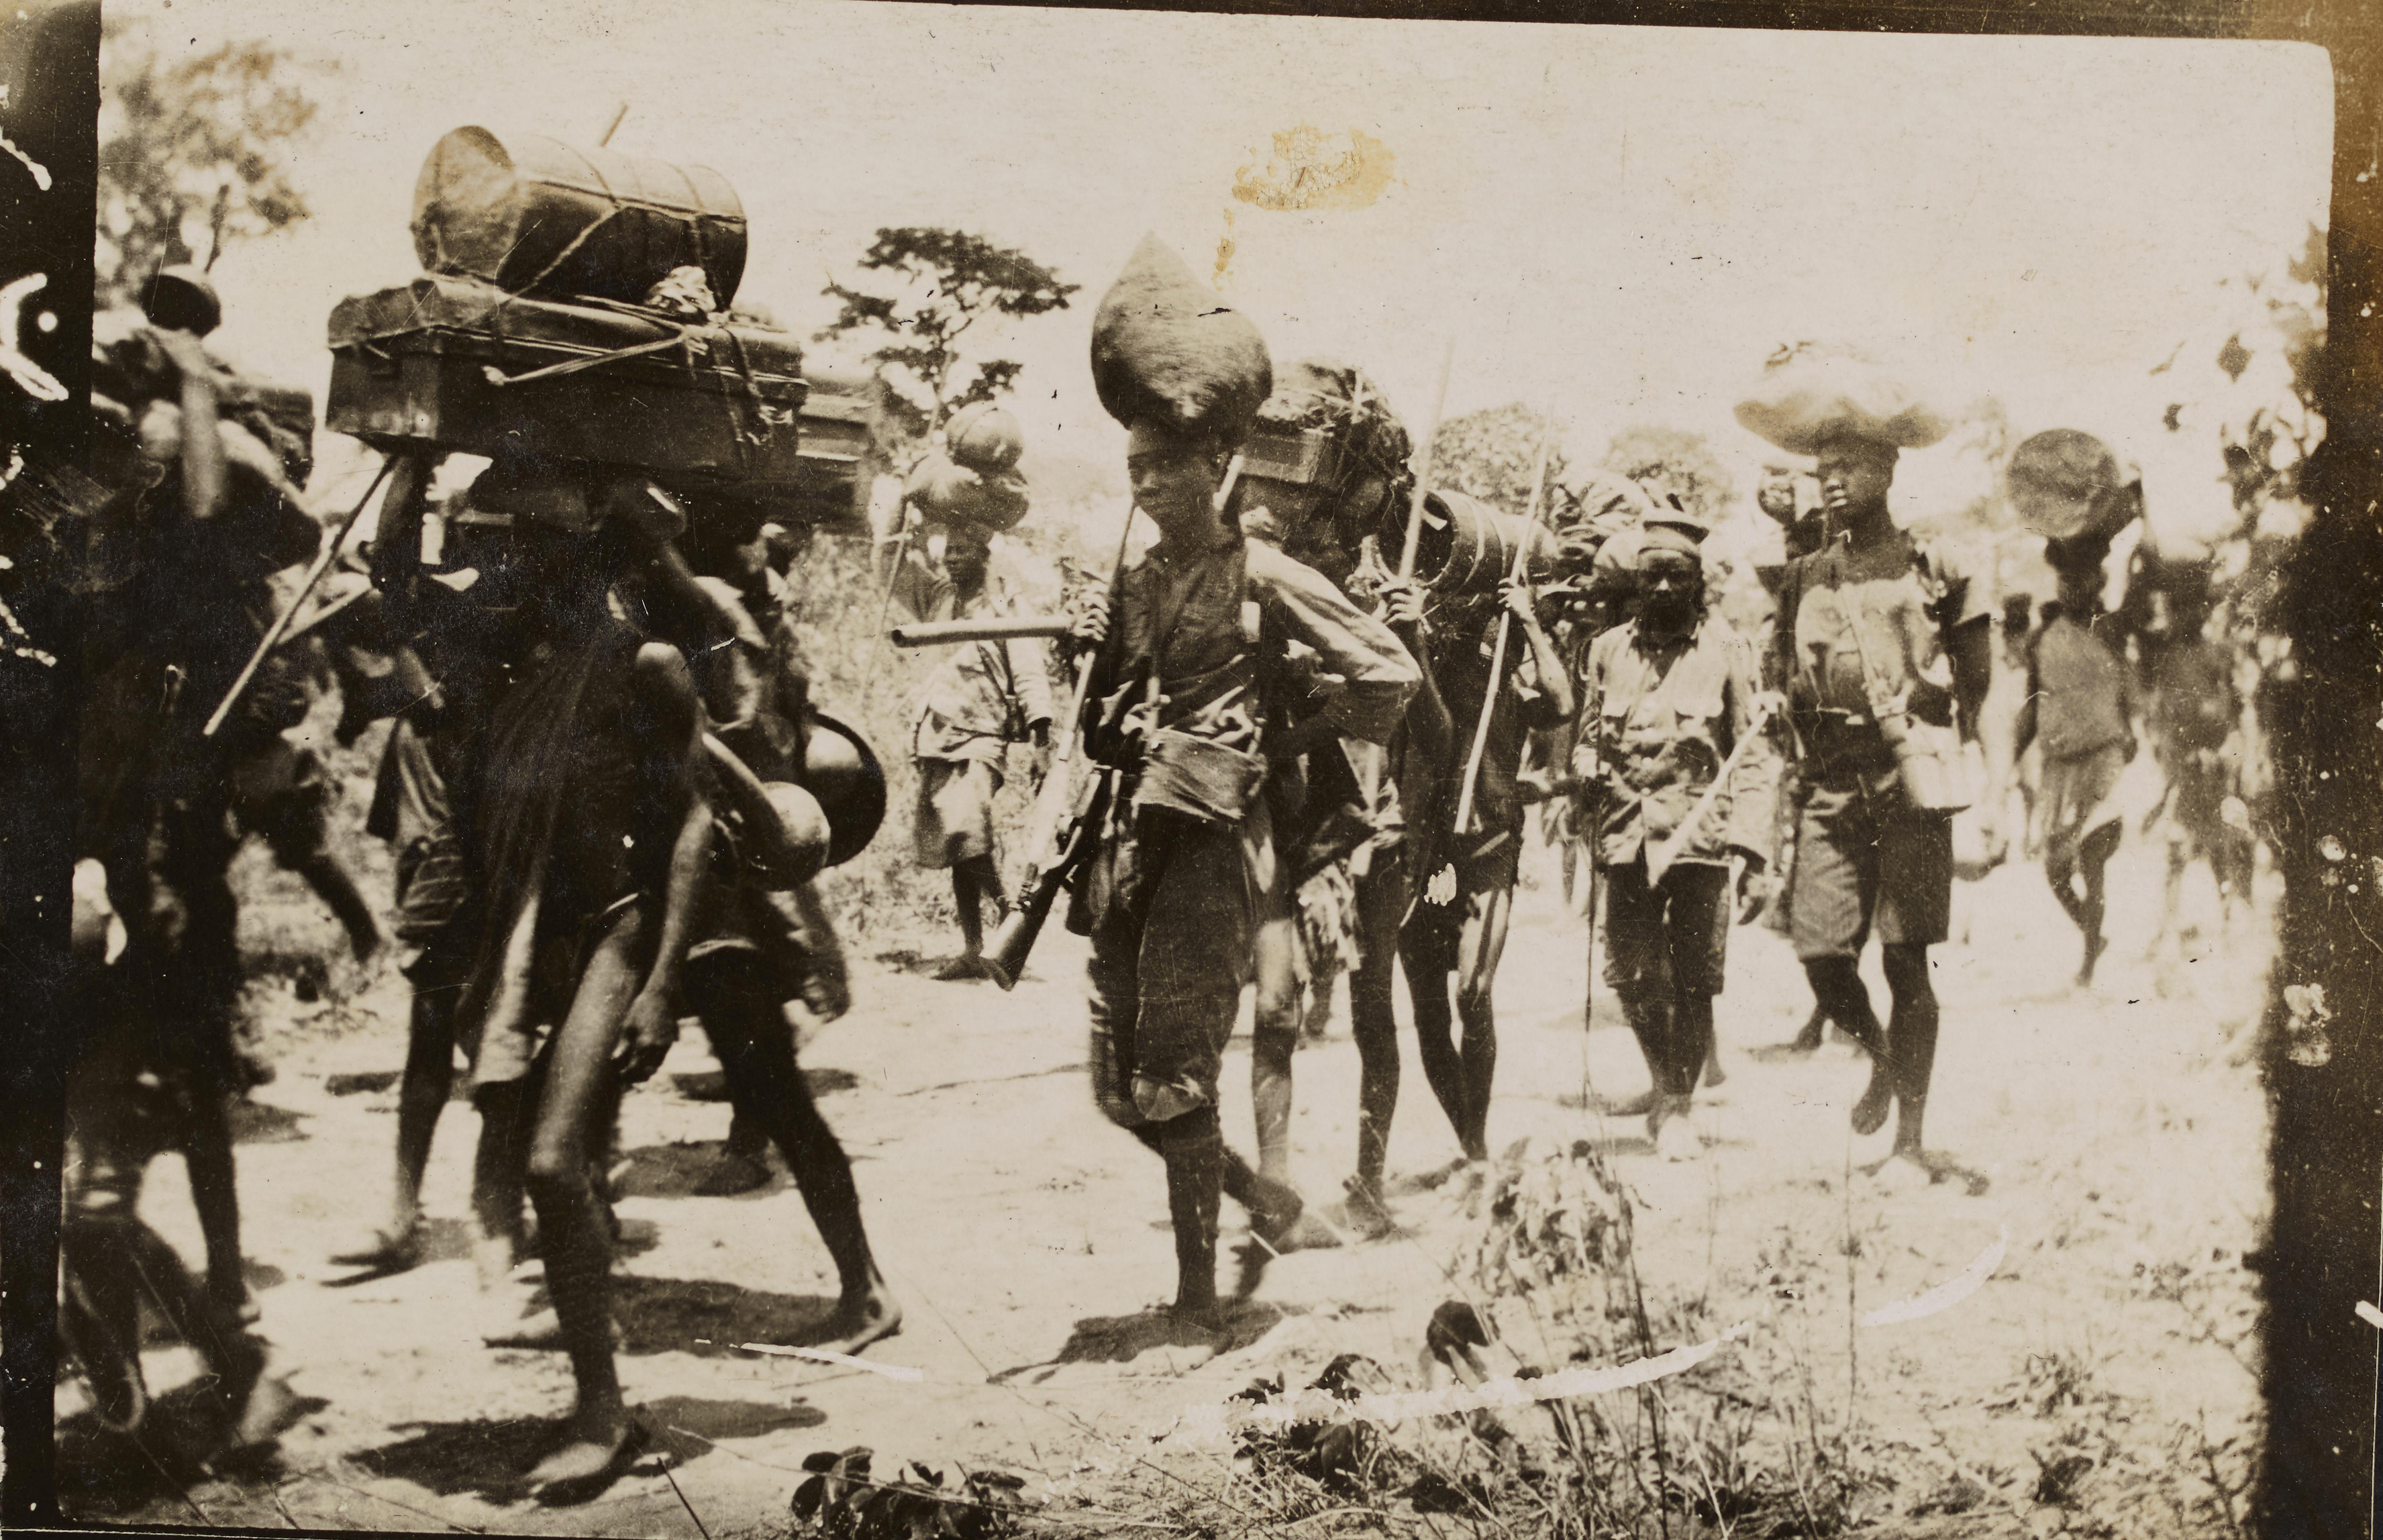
column 1505, row 630
column 1370, row 764
column 323, row 560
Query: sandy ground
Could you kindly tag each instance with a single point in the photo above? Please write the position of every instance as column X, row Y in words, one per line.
column 2120, row 1128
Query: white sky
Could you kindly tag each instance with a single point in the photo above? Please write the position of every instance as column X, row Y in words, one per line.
column 1620, row 222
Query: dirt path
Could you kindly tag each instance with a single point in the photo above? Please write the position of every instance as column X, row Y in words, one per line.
column 1022, row 1233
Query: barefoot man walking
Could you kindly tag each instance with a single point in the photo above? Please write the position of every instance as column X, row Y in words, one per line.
column 1883, row 644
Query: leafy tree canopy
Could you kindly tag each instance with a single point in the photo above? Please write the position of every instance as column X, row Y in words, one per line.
column 924, row 289
column 193, row 151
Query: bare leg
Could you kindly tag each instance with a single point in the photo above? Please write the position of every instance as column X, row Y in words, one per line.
column 1195, row 1151
column 1481, row 941
column 1373, row 1023
column 1428, row 953
column 323, row 872
column 1836, row 984
column 1274, row 1040
column 575, row 1239
column 974, row 881
column 500, row 1163
column 207, row 1152
column 756, row 1046
column 2093, row 862
column 422, row 1095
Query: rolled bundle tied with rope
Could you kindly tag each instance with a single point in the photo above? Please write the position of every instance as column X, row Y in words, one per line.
column 537, row 215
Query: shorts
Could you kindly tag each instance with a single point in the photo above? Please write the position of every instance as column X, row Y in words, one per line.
column 1668, row 939
column 1865, row 859
column 955, row 816
column 2078, row 796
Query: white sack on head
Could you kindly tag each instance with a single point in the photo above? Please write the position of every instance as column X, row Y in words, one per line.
column 1167, row 349
column 1812, row 393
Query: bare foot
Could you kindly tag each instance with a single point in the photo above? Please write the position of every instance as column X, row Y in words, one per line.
column 539, row 1331
column 2095, row 947
column 860, row 1320
column 393, row 1247
column 1623, row 1106
column 1869, row 1113
column 1909, row 1169
column 596, row 1448
column 967, row 965
column 1715, row 1074
column 1363, row 1211
column 267, row 1411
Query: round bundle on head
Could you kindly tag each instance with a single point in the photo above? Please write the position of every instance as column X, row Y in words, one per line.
column 1809, row 393
column 1167, row 350
column 1596, row 506
column 2064, row 482
column 984, row 439
column 950, row 493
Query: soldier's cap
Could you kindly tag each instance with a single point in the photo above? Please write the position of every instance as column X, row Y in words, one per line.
column 1674, row 530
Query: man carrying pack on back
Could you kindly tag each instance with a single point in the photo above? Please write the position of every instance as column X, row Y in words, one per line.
column 1177, row 703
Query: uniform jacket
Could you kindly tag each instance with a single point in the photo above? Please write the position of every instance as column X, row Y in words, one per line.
column 1667, row 709
column 982, row 694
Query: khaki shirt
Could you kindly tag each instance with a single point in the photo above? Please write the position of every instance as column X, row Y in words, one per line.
column 1666, row 709
column 1198, row 619
column 983, row 694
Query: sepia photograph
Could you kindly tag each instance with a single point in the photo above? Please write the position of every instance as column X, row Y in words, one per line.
column 848, row 769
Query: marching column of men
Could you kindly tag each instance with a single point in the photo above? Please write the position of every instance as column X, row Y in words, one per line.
column 609, row 793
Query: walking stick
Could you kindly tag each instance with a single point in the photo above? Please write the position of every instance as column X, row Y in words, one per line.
column 1374, row 754
column 273, row 635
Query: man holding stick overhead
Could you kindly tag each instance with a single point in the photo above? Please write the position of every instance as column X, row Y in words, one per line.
column 1175, row 703
column 1683, row 783
column 1885, row 649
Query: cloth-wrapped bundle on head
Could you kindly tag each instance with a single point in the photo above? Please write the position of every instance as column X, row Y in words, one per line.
column 1168, row 351
column 985, row 439
column 1329, row 428
column 1812, row 393
column 2065, row 483
column 947, row 493
column 1589, row 511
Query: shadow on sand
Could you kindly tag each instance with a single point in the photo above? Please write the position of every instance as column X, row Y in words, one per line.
column 1123, row 1339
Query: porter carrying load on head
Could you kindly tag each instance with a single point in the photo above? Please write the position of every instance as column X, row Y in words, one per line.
column 1884, row 645
column 1177, row 712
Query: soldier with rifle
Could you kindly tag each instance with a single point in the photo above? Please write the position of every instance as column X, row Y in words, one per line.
column 1176, row 709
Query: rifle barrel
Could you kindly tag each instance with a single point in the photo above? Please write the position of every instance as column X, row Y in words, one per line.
column 929, row 634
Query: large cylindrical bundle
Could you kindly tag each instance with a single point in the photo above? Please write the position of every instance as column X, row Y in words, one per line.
column 533, row 215
column 1467, row 547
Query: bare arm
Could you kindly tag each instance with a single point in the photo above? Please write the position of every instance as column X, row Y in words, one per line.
column 1555, row 679
column 206, row 476
column 666, row 691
